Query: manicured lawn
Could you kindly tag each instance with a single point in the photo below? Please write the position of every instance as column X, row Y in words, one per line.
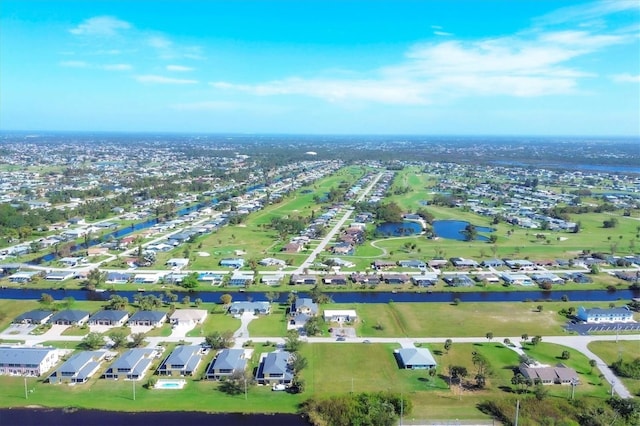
column 215, row 322
column 76, row 331
column 164, row 331
column 550, row 354
column 465, row 319
column 627, row 350
column 274, row 324
column 9, row 309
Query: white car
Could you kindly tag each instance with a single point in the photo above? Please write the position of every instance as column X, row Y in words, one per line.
column 278, row 387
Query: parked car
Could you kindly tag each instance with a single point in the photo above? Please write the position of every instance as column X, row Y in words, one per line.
column 278, row 387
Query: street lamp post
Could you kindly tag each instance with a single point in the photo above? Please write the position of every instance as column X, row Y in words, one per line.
column 26, row 394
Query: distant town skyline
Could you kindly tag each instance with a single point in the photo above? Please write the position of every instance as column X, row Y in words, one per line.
column 455, row 67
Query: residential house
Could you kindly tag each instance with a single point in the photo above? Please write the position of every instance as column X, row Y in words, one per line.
column 97, row 251
column 148, row 319
column 177, row 262
column 275, row 368
column 292, row 248
column 301, row 311
column 425, row 280
column 118, row 277
column 146, row 278
column 338, row 279
column 546, row 375
column 183, row 361
column 241, row 279
column 235, row 263
column 23, row 276
column 226, row 363
column 340, row 315
column 517, row 279
column 131, row 365
column 302, row 279
column 458, row 280
column 395, row 278
column 59, row 275
column 272, row 279
column 258, row 308
column 37, row 316
column 463, row 263
column 70, row 317
column 370, row 279
column 492, row 263
column 79, row 368
column 112, row 318
column 188, row 317
column 611, row 315
column 383, row 264
column 270, row 261
column 27, row 361
column 419, row 264
column 70, row 262
column 415, row 358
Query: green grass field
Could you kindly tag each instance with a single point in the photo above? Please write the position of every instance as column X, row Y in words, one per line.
column 610, row 352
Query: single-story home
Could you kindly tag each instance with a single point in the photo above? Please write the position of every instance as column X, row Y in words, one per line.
column 304, row 305
column 146, row 278
column 27, row 361
column 118, row 277
column 302, row 279
column 131, row 365
column 338, row 279
column 79, row 368
column 415, row 358
column 598, row 315
column 37, row 316
column 188, row 317
column 395, row 278
column 258, row 308
column 226, row 363
column 517, row 279
column 108, row 317
column 70, row 317
column 23, row 276
column 270, row 261
column 559, row 374
column 272, row 279
column 59, row 275
column 183, row 361
column 425, row 280
column 340, row 315
column 177, row 262
column 275, row 368
column 148, row 318
column 241, row 279
column 232, row 263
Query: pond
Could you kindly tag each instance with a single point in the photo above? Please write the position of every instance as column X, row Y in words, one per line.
column 452, row 230
column 391, row 229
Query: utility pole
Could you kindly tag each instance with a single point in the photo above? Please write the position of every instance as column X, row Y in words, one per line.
column 517, row 412
column 26, row 394
column 133, row 383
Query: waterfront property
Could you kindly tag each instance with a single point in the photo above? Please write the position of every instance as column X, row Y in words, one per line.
column 131, row 365
column 415, row 358
column 611, row 315
column 258, row 308
column 111, row 318
column 79, row 368
column 188, row 317
column 27, row 361
column 226, row 363
column 148, row 318
column 37, row 316
column 340, row 315
column 183, row 361
column 275, row 368
column 70, row 317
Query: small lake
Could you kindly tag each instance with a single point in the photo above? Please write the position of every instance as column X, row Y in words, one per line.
column 400, row 229
column 452, row 230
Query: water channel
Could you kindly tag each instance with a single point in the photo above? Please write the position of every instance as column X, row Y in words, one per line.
column 345, row 296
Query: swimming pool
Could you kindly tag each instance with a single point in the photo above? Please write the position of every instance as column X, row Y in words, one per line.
column 169, row 384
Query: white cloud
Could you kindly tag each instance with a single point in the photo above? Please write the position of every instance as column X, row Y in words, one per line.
column 442, row 33
column 159, row 42
column 626, row 78
column 158, row 79
column 178, row 68
column 531, row 63
column 101, row 26
column 117, row 67
column 74, row 64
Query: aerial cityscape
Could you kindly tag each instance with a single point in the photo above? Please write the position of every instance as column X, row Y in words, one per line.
column 313, row 213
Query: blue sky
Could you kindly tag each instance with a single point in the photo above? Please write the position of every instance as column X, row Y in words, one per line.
column 452, row 67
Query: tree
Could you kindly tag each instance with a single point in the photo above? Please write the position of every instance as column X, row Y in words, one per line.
column 470, row 232
column 225, row 299
column 312, row 326
column 117, row 303
column 46, row 299
column 489, row 335
column 458, row 372
column 540, row 391
column 535, row 340
column 481, row 380
column 137, row 339
column 292, row 341
column 299, row 363
column 190, row 281
column 540, row 308
column 95, row 279
column 291, row 298
column 272, row 295
column 186, row 300
column 447, row 345
column 197, row 302
column 236, row 383
column 525, row 337
column 297, row 385
column 219, row 340
column 118, row 338
column 565, row 355
column 93, row 341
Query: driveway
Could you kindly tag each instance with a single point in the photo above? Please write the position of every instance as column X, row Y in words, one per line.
column 245, row 319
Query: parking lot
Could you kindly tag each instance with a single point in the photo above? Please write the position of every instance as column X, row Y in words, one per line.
column 583, row 328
